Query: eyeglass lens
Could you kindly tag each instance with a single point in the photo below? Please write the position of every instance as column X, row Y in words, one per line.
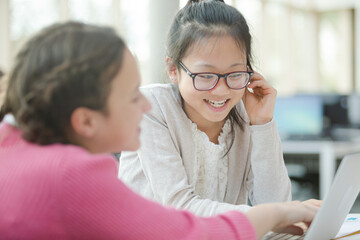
column 234, row 80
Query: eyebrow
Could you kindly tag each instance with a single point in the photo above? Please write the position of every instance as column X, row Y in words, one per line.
column 212, row 66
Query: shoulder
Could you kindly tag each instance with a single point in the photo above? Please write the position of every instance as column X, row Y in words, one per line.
column 64, row 160
column 165, row 100
column 43, row 158
column 78, row 159
column 162, row 93
column 80, row 171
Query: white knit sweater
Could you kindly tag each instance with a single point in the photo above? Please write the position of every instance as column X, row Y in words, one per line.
column 169, row 169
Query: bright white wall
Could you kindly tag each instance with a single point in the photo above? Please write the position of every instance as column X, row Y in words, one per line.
column 325, row 5
column 4, row 35
column 162, row 13
column 357, row 43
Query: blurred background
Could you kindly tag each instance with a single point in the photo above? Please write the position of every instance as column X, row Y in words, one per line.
column 309, row 50
column 299, row 45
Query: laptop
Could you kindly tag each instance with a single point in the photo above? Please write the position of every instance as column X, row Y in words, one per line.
column 299, row 117
column 336, row 205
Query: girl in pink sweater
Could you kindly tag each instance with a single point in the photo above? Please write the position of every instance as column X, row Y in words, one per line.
column 72, row 97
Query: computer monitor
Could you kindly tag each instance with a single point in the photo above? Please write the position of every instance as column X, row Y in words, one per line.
column 354, row 110
column 299, row 116
column 336, row 110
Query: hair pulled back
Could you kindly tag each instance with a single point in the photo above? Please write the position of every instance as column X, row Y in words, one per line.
column 63, row 67
column 203, row 19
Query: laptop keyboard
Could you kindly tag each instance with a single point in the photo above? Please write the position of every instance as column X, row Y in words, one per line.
column 282, row 236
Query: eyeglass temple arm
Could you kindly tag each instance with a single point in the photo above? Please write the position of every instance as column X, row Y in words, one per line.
column 185, row 69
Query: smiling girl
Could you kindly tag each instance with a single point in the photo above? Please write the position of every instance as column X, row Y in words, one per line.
column 210, row 142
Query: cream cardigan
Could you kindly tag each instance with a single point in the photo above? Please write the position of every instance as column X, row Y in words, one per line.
column 162, row 169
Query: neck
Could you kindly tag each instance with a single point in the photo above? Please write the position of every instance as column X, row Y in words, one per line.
column 212, row 130
column 213, row 133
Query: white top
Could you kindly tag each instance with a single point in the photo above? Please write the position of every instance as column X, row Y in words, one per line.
column 9, row 119
column 166, row 167
column 212, row 164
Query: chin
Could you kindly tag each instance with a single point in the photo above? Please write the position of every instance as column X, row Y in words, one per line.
column 216, row 119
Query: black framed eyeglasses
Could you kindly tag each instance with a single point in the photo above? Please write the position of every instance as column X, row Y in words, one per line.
column 206, row 81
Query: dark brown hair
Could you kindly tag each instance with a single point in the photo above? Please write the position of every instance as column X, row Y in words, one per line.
column 202, row 19
column 63, row 67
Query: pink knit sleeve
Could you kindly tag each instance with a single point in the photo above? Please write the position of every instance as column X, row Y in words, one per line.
column 95, row 204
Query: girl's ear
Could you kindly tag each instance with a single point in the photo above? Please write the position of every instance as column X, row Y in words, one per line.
column 83, row 122
column 171, row 69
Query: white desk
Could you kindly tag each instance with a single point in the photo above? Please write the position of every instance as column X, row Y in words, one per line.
column 328, row 152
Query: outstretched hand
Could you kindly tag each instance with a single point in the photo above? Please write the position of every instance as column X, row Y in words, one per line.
column 260, row 102
column 299, row 216
column 285, row 217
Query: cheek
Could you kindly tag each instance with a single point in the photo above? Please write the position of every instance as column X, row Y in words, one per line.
column 132, row 119
column 238, row 94
column 189, row 93
column 126, row 135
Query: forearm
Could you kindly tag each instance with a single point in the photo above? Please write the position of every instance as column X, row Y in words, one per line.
column 270, row 181
column 107, row 204
column 188, row 200
column 263, row 218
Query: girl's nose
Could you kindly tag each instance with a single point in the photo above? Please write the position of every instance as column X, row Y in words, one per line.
column 221, row 87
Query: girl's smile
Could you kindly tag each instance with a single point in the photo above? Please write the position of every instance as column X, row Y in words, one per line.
column 217, row 106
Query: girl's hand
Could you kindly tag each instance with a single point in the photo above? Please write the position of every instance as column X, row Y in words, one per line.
column 259, row 103
column 298, row 216
column 286, row 217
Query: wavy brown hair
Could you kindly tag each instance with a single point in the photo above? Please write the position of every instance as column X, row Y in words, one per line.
column 63, row 67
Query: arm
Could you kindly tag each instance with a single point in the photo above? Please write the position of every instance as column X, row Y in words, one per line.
column 97, row 205
column 268, row 180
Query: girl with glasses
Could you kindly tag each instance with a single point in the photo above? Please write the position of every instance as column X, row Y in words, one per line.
column 73, row 97
column 210, row 142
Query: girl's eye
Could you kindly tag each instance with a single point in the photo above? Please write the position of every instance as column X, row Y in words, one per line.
column 206, row 76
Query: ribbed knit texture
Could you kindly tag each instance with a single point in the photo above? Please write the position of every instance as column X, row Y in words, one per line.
column 63, row 192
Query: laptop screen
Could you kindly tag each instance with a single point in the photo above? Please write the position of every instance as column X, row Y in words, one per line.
column 299, row 115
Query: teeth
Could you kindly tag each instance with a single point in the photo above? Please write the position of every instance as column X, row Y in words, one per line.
column 217, row 103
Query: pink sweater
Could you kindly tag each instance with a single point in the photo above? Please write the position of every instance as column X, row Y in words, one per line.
column 63, row 192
